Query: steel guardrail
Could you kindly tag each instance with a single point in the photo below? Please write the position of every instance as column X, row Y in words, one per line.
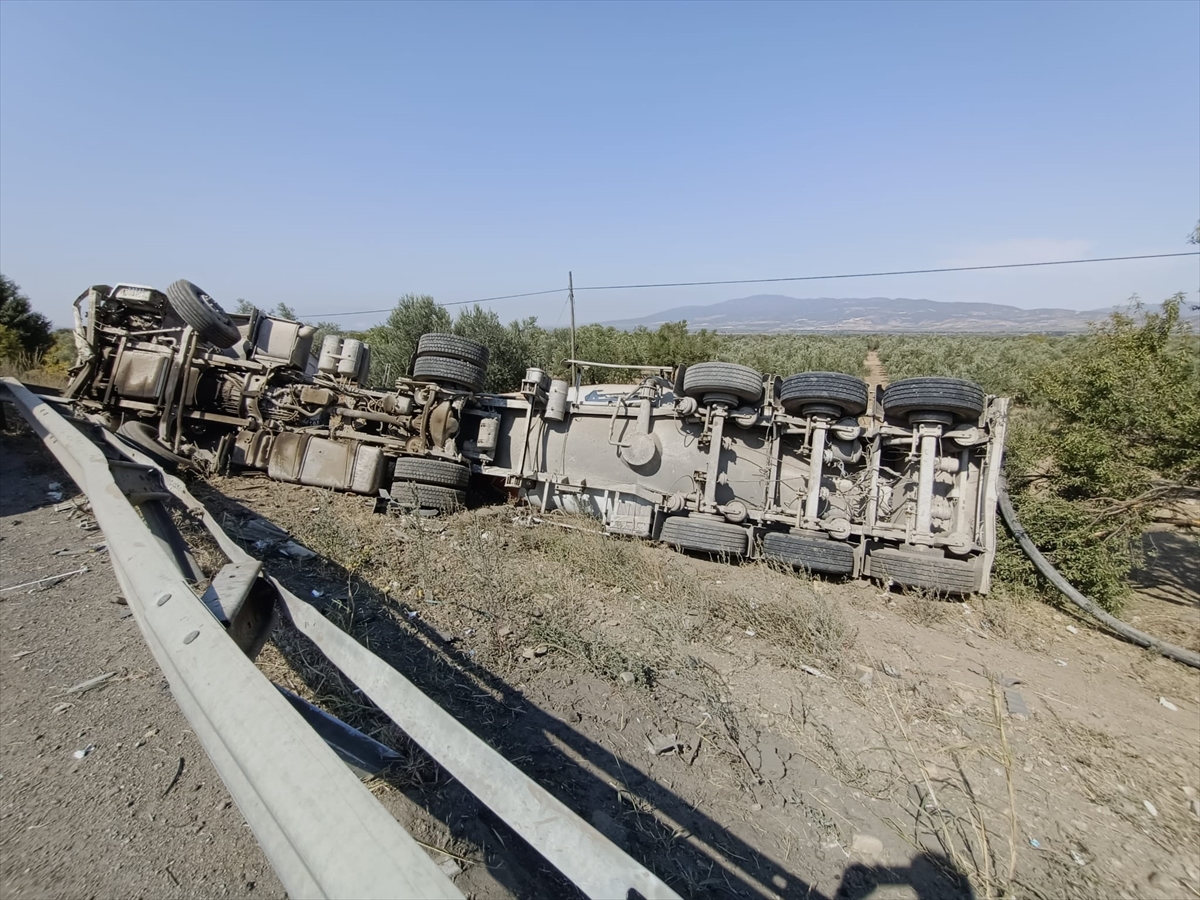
column 592, row 862
column 322, row 830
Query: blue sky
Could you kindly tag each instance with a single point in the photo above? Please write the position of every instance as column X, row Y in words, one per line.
column 337, row 156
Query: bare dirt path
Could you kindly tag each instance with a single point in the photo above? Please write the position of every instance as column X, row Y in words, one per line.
column 116, row 823
column 877, row 376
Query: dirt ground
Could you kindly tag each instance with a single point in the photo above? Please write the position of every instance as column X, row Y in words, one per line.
column 742, row 730
column 117, row 822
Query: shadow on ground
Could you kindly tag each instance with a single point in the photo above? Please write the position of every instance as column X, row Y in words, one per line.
column 1171, row 570
column 696, row 858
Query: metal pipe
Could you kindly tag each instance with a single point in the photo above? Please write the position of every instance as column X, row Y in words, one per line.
column 816, row 465
column 929, row 435
column 714, row 460
column 1087, row 604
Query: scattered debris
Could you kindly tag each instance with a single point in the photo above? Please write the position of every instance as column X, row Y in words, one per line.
column 86, row 751
column 1061, row 662
column 1162, row 701
column 1017, row 708
column 891, row 671
column 62, row 707
column 89, row 684
column 54, row 491
column 750, row 632
column 317, row 594
column 1150, row 808
column 262, row 533
column 811, row 671
column 296, row 551
column 54, row 579
column 659, row 744
column 1035, row 844
column 865, row 675
column 175, row 779
column 627, row 677
column 101, row 547
column 1072, row 629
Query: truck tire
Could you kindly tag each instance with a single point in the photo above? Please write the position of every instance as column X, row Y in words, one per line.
column 939, row 574
column 718, row 378
column 452, row 346
column 809, row 552
column 453, row 372
column 961, row 399
column 803, row 389
column 704, row 535
column 204, row 314
column 145, row 438
column 432, row 471
column 413, row 495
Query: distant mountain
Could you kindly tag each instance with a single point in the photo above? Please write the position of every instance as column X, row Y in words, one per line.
column 776, row 314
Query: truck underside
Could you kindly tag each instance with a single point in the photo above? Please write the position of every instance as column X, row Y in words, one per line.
column 714, row 458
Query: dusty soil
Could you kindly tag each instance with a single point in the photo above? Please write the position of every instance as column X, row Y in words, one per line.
column 822, row 739
column 116, row 823
column 744, row 731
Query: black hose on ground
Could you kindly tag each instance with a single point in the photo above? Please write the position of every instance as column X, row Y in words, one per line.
column 1088, row 605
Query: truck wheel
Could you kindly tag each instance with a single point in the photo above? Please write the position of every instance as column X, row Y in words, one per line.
column 954, row 396
column 414, row 495
column 204, row 314
column 804, row 389
column 704, row 535
column 452, row 372
column 145, row 439
column 452, row 346
column 721, row 381
column 809, row 552
column 432, row 471
column 939, row 574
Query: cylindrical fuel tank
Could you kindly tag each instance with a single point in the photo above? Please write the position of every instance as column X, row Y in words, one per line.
column 330, row 347
column 556, row 401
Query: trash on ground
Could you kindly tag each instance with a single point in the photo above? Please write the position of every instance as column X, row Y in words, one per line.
column 659, row 744
column 90, row 683
column 296, row 551
column 1150, row 808
column 1162, row 701
column 80, row 754
column 43, row 581
column 811, row 671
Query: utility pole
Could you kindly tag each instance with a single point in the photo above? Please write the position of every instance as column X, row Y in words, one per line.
column 571, row 298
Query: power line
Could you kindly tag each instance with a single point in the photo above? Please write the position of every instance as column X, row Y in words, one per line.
column 1057, row 262
column 667, row 284
column 365, row 312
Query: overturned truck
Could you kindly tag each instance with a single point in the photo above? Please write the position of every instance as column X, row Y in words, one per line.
column 808, row 469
